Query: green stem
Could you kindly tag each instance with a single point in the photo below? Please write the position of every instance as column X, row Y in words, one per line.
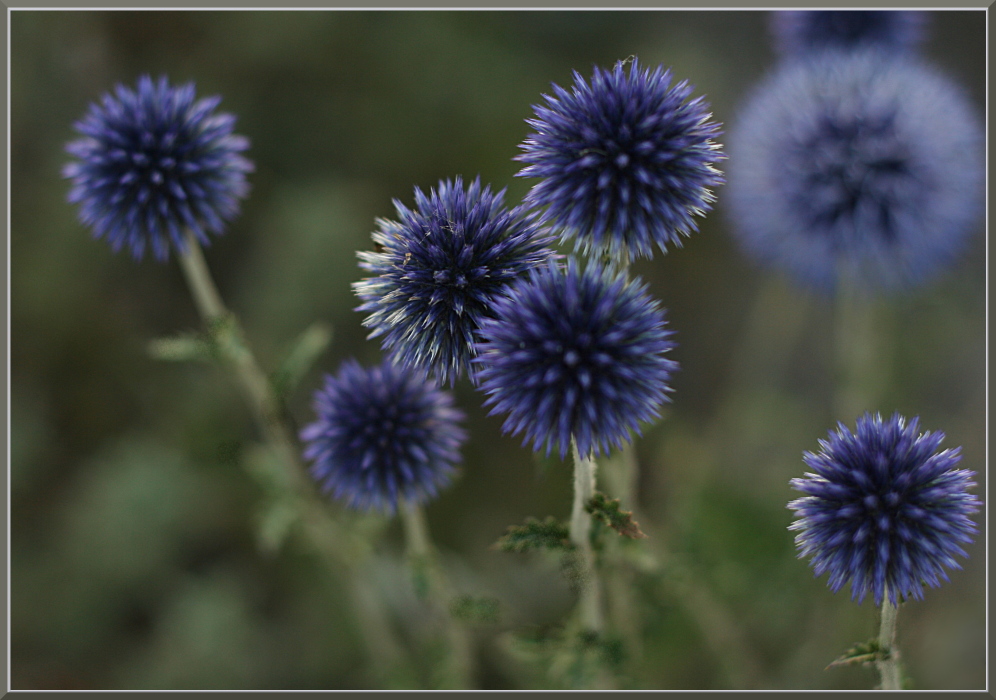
column 337, row 547
column 458, row 670
column 888, row 667
column 861, row 375
column 584, row 490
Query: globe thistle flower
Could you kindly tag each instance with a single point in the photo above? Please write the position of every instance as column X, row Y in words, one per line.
column 153, row 162
column 382, row 434
column 575, row 354
column 856, row 163
column 798, row 32
column 883, row 510
column 439, row 269
column 626, row 161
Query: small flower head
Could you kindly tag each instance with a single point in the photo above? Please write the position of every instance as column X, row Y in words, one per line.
column 626, row 161
column 884, row 509
column 153, row 162
column 439, row 269
column 575, row 354
column 382, row 434
column 856, row 163
column 797, row 32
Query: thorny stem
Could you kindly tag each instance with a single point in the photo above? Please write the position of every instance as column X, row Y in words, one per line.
column 584, row 491
column 459, row 670
column 337, row 547
column 888, row 667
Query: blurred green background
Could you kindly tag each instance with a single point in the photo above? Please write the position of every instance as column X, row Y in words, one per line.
column 133, row 545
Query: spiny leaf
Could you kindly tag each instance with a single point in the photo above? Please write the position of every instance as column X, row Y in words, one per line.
column 861, row 653
column 608, row 512
column 535, row 534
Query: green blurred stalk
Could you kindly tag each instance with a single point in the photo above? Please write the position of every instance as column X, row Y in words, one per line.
column 338, row 547
column 458, row 669
column 859, row 346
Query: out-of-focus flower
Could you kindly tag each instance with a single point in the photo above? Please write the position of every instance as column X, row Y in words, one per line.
column 856, row 163
column 800, row 31
column 625, row 162
column 153, row 162
column 884, row 509
column 382, row 434
column 440, row 268
column 575, row 353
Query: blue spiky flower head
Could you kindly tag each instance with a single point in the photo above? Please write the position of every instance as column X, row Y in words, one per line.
column 798, row 32
column 575, row 353
column 861, row 163
column 382, row 434
column 625, row 161
column 153, row 162
column 439, row 269
column 883, row 509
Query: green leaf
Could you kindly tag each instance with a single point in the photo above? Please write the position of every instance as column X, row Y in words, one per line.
column 303, row 353
column 182, row 348
column 862, row 653
column 470, row 609
column 608, row 512
column 275, row 524
column 535, row 534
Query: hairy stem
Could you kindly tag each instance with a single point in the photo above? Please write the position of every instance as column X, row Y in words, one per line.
column 590, row 603
column 888, row 667
column 458, row 670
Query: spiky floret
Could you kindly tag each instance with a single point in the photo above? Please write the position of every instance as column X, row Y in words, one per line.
column 439, row 269
column 626, row 161
column 800, row 31
column 859, row 163
column 883, row 509
column 575, row 353
column 382, row 435
column 153, row 162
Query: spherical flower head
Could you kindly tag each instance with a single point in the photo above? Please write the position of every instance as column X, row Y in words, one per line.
column 859, row 164
column 153, row 162
column 438, row 270
column 883, row 509
column 626, row 161
column 575, row 354
column 382, row 434
column 797, row 32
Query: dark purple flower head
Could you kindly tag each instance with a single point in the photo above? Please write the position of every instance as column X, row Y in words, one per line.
column 797, row 32
column 382, row 434
column 884, row 509
column 439, row 269
column 626, row 161
column 856, row 163
column 575, row 354
column 153, row 162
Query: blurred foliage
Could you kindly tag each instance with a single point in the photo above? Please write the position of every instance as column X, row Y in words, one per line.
column 136, row 561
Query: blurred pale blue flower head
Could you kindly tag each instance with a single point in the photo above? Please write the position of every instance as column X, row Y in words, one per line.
column 382, row 435
column 576, row 353
column 856, row 163
column 883, row 509
column 800, row 31
column 439, row 269
column 626, row 161
column 153, row 162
